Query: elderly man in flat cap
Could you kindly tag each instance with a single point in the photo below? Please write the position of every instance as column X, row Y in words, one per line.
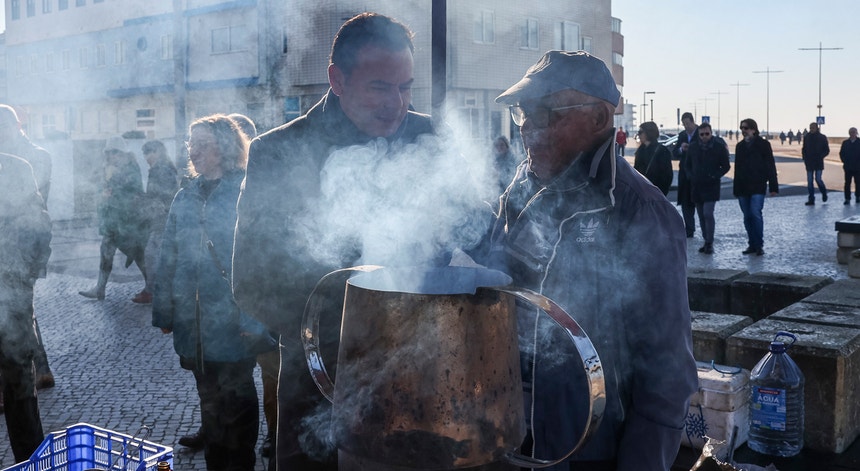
column 582, row 227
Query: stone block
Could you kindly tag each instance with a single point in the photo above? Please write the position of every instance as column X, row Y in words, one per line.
column 848, row 239
column 850, row 224
column 829, row 357
column 854, row 264
column 820, row 314
column 840, row 292
column 709, row 289
column 843, row 255
column 710, row 331
column 761, row 294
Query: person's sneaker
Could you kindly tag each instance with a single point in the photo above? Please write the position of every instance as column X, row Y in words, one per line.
column 144, row 297
column 702, row 249
column 45, row 381
column 810, row 203
column 94, row 293
column 760, row 251
column 193, row 441
column 748, row 251
column 824, row 197
column 708, row 249
column 847, row 202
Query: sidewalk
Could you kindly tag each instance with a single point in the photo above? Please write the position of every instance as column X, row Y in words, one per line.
column 113, row 370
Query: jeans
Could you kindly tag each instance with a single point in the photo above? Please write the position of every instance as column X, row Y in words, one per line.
column 751, row 206
column 810, row 174
column 688, row 210
column 706, row 220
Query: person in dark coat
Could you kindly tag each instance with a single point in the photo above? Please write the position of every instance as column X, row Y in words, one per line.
column 573, row 227
column 815, row 149
column 653, row 159
column 25, row 237
column 276, row 265
column 685, row 139
column 161, row 185
column 849, row 154
column 120, row 223
column 193, row 297
column 707, row 162
column 755, row 172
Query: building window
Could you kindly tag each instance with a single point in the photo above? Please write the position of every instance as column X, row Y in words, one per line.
column 67, row 59
column 80, row 3
column 15, row 6
column 31, row 7
column 167, row 47
column 227, row 39
column 616, row 25
column 146, row 118
column 617, row 58
column 529, row 34
column 119, row 52
column 62, row 4
column 100, row 55
column 46, row 6
column 485, row 30
column 292, row 108
column 471, row 117
column 586, row 45
column 49, row 124
column 567, row 36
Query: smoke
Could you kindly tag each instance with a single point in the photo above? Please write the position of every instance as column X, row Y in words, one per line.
column 403, row 205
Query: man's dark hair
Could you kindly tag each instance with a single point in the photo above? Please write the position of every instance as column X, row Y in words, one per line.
column 687, row 115
column 705, row 125
column 368, row 29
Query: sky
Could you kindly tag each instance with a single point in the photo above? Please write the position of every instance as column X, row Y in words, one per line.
column 692, row 55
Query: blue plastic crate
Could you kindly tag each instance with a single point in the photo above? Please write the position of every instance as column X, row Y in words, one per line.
column 83, row 446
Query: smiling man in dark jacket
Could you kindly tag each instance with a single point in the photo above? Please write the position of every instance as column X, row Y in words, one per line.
column 279, row 251
column 585, row 229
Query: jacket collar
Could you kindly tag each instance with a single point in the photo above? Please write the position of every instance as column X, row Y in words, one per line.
column 330, row 114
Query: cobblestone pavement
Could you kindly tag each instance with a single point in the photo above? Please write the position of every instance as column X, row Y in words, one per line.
column 113, row 370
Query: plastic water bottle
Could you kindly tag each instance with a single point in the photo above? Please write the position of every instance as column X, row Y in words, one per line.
column 776, row 402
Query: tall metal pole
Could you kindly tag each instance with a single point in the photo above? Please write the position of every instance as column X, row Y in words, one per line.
column 644, row 104
column 738, row 86
column 719, row 108
column 819, row 49
column 768, row 72
column 180, row 54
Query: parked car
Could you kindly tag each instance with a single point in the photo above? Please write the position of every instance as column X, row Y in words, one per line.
column 670, row 142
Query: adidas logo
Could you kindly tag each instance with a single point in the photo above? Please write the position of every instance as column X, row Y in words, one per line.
column 588, row 230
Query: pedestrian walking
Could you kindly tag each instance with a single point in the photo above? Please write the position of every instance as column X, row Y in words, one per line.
column 849, row 154
column 755, row 171
column 707, row 162
column 653, row 159
column 790, row 136
column 685, row 139
column 782, row 137
column 815, row 149
column 620, row 141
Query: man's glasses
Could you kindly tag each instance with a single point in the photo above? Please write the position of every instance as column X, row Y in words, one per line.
column 704, row 134
column 540, row 115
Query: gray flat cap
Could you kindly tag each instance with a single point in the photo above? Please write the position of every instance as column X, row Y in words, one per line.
column 563, row 70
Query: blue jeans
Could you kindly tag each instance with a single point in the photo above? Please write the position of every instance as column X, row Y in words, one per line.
column 816, row 174
column 751, row 206
column 706, row 220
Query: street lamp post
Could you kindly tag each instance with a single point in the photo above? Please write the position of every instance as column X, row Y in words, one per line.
column 819, row 49
column 738, row 86
column 718, row 93
column 644, row 104
column 768, row 72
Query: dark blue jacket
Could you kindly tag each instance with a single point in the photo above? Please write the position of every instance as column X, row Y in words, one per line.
column 849, row 154
column 755, row 168
column 815, row 149
column 706, row 164
column 187, row 269
column 607, row 246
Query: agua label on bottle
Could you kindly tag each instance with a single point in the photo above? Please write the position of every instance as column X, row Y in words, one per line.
column 768, row 411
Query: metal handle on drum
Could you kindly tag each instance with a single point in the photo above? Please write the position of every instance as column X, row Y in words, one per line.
column 590, row 362
column 310, row 327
